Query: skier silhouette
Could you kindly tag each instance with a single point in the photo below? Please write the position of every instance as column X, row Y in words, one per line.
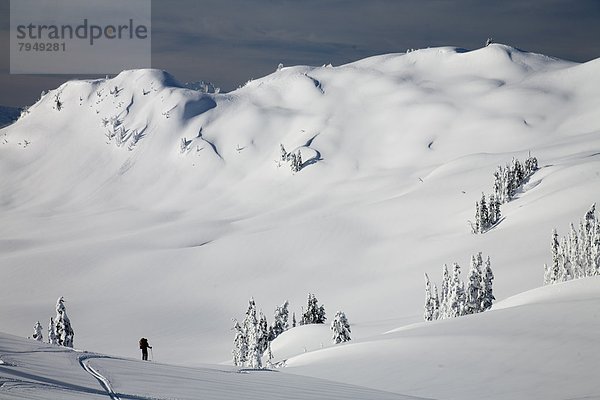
column 144, row 346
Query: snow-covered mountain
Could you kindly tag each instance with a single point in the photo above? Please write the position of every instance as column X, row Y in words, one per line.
column 158, row 211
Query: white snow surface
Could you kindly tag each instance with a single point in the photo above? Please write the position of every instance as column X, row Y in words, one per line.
column 541, row 344
column 147, row 240
column 32, row 371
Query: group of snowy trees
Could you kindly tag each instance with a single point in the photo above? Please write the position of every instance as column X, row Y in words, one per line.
column 60, row 331
column 455, row 300
column 314, row 314
column 576, row 255
column 487, row 213
column 294, row 159
column 252, row 338
column 507, row 180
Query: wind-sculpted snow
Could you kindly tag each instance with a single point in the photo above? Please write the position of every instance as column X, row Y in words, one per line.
column 157, row 211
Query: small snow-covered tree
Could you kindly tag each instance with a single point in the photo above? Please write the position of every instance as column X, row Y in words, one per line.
column 474, row 289
column 574, row 255
column 565, row 273
column 445, row 292
column 429, row 302
column 284, row 154
column 58, row 104
column 494, row 212
column 487, row 285
column 52, row 337
column 64, row 331
column 298, row 161
column 555, row 268
column 37, row 332
column 251, row 328
column 436, row 302
column 590, row 218
column 340, row 328
column 484, row 221
column 263, row 334
column 456, row 300
column 293, row 319
column 240, row 345
column 482, row 215
column 280, row 321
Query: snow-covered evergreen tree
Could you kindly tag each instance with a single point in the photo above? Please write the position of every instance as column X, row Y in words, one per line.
column 280, row 321
column 37, row 332
column 52, row 337
column 340, row 328
column 314, row 313
column 64, row 331
column 565, row 273
column 299, row 161
column 284, row 154
column 436, row 302
column 445, row 293
column 456, row 300
column 253, row 336
column 494, row 213
column 429, row 302
column 474, row 289
column 263, row 334
column 574, row 256
column 487, row 285
column 555, row 268
column 293, row 319
column 484, row 222
column 240, row 345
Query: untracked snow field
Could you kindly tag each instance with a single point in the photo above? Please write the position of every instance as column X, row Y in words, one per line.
column 158, row 211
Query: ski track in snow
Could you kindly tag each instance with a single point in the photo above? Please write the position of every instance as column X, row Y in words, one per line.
column 104, row 382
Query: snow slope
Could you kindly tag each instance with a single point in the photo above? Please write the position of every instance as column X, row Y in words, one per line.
column 144, row 239
column 541, row 344
column 32, row 371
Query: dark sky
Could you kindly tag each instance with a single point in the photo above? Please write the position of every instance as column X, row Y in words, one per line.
column 229, row 42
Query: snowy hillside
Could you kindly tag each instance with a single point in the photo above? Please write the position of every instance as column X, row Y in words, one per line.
column 32, row 371
column 158, row 211
column 536, row 345
column 539, row 344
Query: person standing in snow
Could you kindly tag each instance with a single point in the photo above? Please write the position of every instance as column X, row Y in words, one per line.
column 144, row 346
